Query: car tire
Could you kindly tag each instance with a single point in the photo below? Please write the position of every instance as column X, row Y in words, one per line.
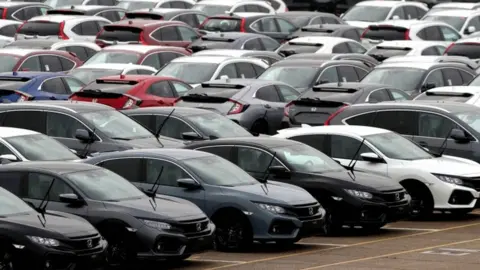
column 422, row 200
column 119, row 250
column 330, row 228
column 233, row 232
column 260, row 126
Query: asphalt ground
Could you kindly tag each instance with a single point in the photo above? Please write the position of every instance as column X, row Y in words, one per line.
column 444, row 242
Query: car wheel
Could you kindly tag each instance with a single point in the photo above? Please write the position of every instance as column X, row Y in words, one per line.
column 260, row 126
column 421, row 206
column 119, row 251
column 6, row 259
column 233, row 232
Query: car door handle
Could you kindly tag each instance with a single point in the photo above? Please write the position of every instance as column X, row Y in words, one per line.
column 267, row 106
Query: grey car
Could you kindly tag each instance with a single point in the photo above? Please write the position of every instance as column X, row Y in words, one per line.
column 242, row 208
column 255, row 104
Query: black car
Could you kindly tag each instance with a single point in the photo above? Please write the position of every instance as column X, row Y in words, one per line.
column 332, row 30
column 304, row 74
column 270, row 25
column 187, row 123
column 135, row 225
column 234, row 40
column 31, row 239
column 86, row 128
column 22, row 11
column 304, row 18
column 192, row 17
column 363, row 58
column 111, row 13
column 429, row 123
column 315, row 106
column 349, row 199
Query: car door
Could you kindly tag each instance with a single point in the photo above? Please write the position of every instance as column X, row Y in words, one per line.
column 159, row 94
column 51, row 63
column 272, row 104
column 54, row 88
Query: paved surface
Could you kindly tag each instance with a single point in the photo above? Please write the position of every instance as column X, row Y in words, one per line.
column 443, row 243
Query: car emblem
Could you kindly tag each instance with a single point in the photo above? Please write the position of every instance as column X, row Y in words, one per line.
column 397, row 197
column 94, row 100
column 314, row 109
column 310, row 211
column 89, row 243
column 199, row 227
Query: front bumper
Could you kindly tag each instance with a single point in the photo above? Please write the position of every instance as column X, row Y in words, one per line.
column 451, row 197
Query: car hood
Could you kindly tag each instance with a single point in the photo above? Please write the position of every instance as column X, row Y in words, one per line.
column 168, row 208
column 360, row 180
column 273, row 193
column 447, row 165
column 151, row 142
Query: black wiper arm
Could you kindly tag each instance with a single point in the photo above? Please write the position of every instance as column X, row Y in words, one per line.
column 42, row 207
column 152, row 192
column 157, row 132
column 120, row 138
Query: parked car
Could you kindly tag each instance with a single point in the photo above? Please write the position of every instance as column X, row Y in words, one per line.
column 139, row 4
column 363, row 58
column 345, row 196
column 234, row 40
column 304, row 18
column 465, row 6
column 121, row 91
column 467, row 47
column 60, row 3
column 37, row 60
column 463, row 94
column 89, row 73
column 110, row 13
column 213, row 7
column 194, row 18
column 165, row 227
column 8, row 29
column 267, row 56
column 329, row 30
column 387, row 49
column 22, row 11
column 319, row 44
column 225, row 192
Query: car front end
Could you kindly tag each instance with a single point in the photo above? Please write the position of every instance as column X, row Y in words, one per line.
column 455, row 192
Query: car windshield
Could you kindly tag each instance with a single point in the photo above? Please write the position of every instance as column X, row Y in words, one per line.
column 88, row 75
column 116, row 125
column 304, row 158
column 63, row 3
column 367, row 14
column 298, row 77
column 113, row 57
column 189, row 72
column 396, row 146
column 455, row 22
column 12, row 205
column 216, row 171
column 470, row 118
column 104, row 185
column 218, row 126
column 8, row 62
column 38, row 147
column 404, row 78
column 212, row 10
column 134, row 5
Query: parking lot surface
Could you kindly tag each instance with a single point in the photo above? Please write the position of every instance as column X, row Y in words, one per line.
column 442, row 243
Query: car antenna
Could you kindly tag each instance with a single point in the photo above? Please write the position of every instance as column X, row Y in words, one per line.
column 42, row 207
column 153, row 190
column 352, row 163
column 266, row 173
column 86, row 149
column 444, row 143
column 157, row 133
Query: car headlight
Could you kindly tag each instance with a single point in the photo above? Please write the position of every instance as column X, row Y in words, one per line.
column 449, row 179
column 271, row 208
column 359, row 194
column 157, row 224
column 49, row 242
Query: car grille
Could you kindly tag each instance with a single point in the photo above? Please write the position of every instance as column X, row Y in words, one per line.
column 473, row 182
column 87, row 244
column 393, row 197
column 193, row 228
column 305, row 212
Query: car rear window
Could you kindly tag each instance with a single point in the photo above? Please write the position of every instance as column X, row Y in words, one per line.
column 385, row 33
column 120, row 33
column 470, row 50
column 222, row 25
column 120, row 88
column 40, row 28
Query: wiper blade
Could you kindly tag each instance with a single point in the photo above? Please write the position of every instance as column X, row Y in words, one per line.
column 120, row 138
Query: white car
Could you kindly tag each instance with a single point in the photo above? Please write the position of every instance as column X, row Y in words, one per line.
column 63, row 3
column 62, row 27
column 368, row 12
column 215, row 7
column 321, row 44
column 465, row 21
column 435, row 182
column 197, row 69
column 433, row 59
column 91, row 72
column 18, row 144
column 451, row 6
column 464, row 94
column 141, row 4
column 388, row 49
column 8, row 29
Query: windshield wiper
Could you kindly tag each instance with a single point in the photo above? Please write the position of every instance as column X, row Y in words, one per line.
column 444, row 144
column 42, row 207
column 157, row 132
column 121, row 138
column 152, row 192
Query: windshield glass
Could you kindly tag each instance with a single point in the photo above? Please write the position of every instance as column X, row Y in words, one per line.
column 11, row 204
column 212, row 10
column 8, row 62
column 116, row 125
column 395, row 146
column 406, row 79
column 219, row 126
column 88, row 75
column 304, row 158
column 108, row 57
column 63, row 3
column 367, row 14
column 189, row 72
column 455, row 22
column 134, row 5
column 470, row 118
column 298, row 77
column 37, row 147
column 217, row 171
column 104, row 185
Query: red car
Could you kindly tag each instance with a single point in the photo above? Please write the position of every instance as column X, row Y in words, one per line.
column 13, row 59
column 130, row 91
column 154, row 56
column 147, row 32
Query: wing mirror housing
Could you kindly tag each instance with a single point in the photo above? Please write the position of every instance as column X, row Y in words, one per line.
column 191, row 136
column 458, row 135
column 396, row 17
column 71, row 198
column 279, row 171
column 188, row 183
column 371, row 157
column 9, row 157
column 83, row 135
column 471, row 29
column 428, row 86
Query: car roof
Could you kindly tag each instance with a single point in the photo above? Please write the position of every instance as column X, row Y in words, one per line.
column 57, row 18
column 137, row 78
column 353, row 85
column 468, row 40
column 137, row 48
column 177, row 154
column 203, row 59
column 252, row 82
column 300, row 62
column 116, row 66
column 360, row 131
column 456, row 5
column 408, row 43
column 232, row 35
column 304, row 13
column 85, row 7
column 320, row 39
column 140, row 22
column 59, row 167
column 330, row 26
column 19, row 52
column 162, row 10
column 6, row 132
column 453, row 12
column 418, row 65
column 220, row 3
column 380, row 3
column 227, row 52
column 184, row 111
column 14, row 3
column 455, row 89
column 30, row 74
column 447, row 106
column 269, row 142
column 73, row 106
column 405, row 23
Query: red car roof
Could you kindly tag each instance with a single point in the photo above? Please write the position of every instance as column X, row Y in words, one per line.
column 141, row 23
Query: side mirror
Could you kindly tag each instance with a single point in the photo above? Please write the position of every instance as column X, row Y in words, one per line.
column 428, row 86
column 396, row 17
column 224, row 77
column 471, row 29
column 188, row 183
column 279, row 171
column 191, row 136
column 70, row 198
column 371, row 157
column 9, row 157
column 459, row 136
column 83, row 135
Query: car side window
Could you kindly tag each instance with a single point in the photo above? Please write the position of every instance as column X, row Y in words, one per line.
column 341, row 48
column 171, row 172
column 254, row 160
column 161, row 89
column 174, row 128
column 38, row 184
column 262, row 9
column 178, row 4
column 317, row 20
column 54, row 86
column 360, row 72
column 452, row 76
column 353, row 34
column 430, row 51
column 187, row 34
column 246, row 70
column 31, row 64
column 398, row 121
column 449, row 34
column 189, row 19
column 201, row 18
column 316, row 141
column 269, row 43
column 79, row 51
column 466, row 77
column 228, row 70
column 51, row 63
column 287, row 93
column 110, row 15
column 475, row 22
column 144, row 120
column 17, row 119
column 344, row 147
column 166, row 57
column 347, row 74
column 144, row 71
column 221, row 151
column 430, row 33
column 9, row 30
column 62, row 125
column 420, row 12
column 399, row 95
column 268, row 25
column 378, row 96
column 67, row 64
column 285, row 26
column 167, row 33
column 330, row 74
column 435, row 78
column 331, row 20
column 30, row 12
column 12, row 181
column 355, row 47
column 180, row 87
column 153, row 60
column 258, row 69
column 433, row 125
column 128, row 168
column 89, row 28
column 268, row 93
column 365, row 119
column 73, row 85
column 243, row 8
column 410, row 12
column 4, row 150
column 398, row 13
column 253, row 44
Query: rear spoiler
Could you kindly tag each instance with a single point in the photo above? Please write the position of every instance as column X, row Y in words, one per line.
column 197, row 48
column 196, row 97
column 132, row 101
column 448, row 94
column 110, row 27
column 115, row 82
column 396, row 28
column 64, row 12
column 15, row 79
column 305, row 44
column 320, row 30
column 323, row 103
column 219, row 85
column 393, row 48
column 142, row 15
column 217, row 39
column 319, row 88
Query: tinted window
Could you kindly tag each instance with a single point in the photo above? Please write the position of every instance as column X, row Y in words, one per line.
column 246, row 70
column 378, row 96
column 430, row 51
column 399, row 95
column 470, row 50
column 110, row 15
column 228, row 70
column 270, row 44
column 166, row 57
column 66, row 64
column 161, row 89
column 352, row 34
column 31, row 64
column 411, row 12
column 329, row 20
column 341, row 48
column 268, row 93
column 38, row 185
column 365, row 119
column 315, row 141
column 51, row 63
column 347, row 74
column 180, row 88
column 177, row 4
column 433, row 125
column 262, row 9
column 430, row 33
column 452, row 76
column 222, row 24
column 89, row 28
column 54, row 86
column 36, row 120
column 361, row 72
column 174, row 128
column 449, row 34
column 171, row 172
column 189, row 19
column 153, row 60
column 435, row 78
column 167, row 33
column 221, row 151
column 40, row 28
column 130, row 168
column 62, row 125
column 123, row 34
column 253, row 160
column 467, row 77
column 4, row 150
column 187, row 34
column 345, row 147
column 285, row 26
column 79, row 51
column 9, row 30
column 356, row 48
column 398, row 121
column 385, row 33
column 11, row 181
column 329, row 75
column 253, row 44
column 287, row 93
column 398, row 13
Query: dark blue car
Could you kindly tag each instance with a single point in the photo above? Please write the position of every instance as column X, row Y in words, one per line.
column 24, row 86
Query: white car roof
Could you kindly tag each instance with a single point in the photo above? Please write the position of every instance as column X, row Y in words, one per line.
column 221, row 3
column 456, row 5
column 6, row 132
column 134, row 47
column 224, row 52
column 411, row 58
column 156, row 10
column 116, row 66
column 202, row 59
column 459, row 89
column 60, row 18
column 380, row 3
column 360, row 131
column 8, row 22
column 15, row 51
column 12, row 3
column 84, row 7
column 319, row 39
column 153, row 1
column 453, row 13
column 405, row 23
column 414, row 44
column 420, row 65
